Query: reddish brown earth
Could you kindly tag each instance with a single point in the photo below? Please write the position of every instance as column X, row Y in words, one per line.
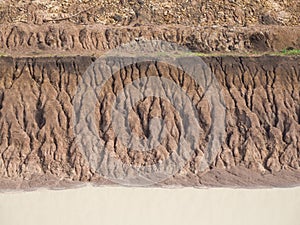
column 69, row 39
column 47, row 46
column 44, row 27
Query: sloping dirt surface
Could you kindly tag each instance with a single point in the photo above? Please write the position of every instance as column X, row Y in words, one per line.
column 137, row 12
column 261, row 145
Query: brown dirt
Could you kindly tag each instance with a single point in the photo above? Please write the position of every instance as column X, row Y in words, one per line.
column 137, row 12
column 261, row 148
column 47, row 28
column 50, row 44
column 69, row 39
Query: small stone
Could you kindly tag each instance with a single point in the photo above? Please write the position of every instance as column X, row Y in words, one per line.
column 117, row 17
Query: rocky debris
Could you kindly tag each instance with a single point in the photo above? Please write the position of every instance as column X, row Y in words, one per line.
column 261, row 147
column 136, row 12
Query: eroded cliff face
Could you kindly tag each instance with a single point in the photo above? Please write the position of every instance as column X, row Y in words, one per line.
column 261, row 146
column 65, row 39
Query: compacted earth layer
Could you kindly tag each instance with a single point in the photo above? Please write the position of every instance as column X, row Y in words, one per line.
column 261, row 145
column 46, row 48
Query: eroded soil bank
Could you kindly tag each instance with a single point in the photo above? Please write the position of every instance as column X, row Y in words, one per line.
column 261, row 145
column 67, row 39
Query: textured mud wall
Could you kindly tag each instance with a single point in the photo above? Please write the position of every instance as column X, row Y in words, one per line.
column 69, row 39
column 261, row 147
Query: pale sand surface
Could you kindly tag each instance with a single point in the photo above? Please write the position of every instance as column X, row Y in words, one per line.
column 117, row 205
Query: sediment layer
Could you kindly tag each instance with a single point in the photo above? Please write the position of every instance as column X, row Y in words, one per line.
column 261, row 146
column 65, row 39
column 145, row 12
